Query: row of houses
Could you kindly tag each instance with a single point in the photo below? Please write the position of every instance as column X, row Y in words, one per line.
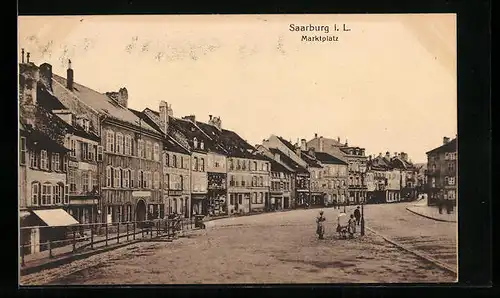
column 86, row 155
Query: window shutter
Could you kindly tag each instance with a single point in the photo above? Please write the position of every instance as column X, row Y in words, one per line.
column 66, row 194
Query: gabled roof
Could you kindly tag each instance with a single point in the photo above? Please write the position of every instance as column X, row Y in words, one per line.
column 288, row 161
column 36, row 139
column 287, row 143
column 380, row 163
column 98, row 101
column 231, row 142
column 310, row 160
column 451, row 146
column 328, row 158
column 190, row 131
column 276, row 166
column 169, row 143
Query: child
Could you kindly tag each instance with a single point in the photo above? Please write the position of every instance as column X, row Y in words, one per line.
column 352, row 226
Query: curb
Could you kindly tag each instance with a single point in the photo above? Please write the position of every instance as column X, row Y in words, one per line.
column 429, row 217
column 418, row 254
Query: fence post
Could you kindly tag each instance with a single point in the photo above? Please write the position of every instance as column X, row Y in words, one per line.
column 107, row 234
column 118, row 233
column 127, row 230
column 92, row 236
column 74, row 239
column 50, row 243
column 142, row 232
column 133, row 235
column 22, row 254
column 151, row 230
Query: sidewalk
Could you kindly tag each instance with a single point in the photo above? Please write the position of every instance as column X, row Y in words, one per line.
column 432, row 212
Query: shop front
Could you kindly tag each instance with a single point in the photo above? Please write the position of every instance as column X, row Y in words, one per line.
column 84, row 209
column 199, row 204
column 217, row 194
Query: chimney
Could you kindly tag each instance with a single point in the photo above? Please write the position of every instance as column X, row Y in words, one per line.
column 209, row 117
column 370, row 157
column 22, row 55
column 46, row 74
column 346, row 142
column 303, row 145
column 69, row 76
column 29, row 75
column 191, row 118
column 445, row 140
column 387, row 154
column 399, row 155
column 362, row 152
column 214, row 121
column 315, row 135
column 123, row 97
column 170, row 111
column 379, row 154
column 338, row 139
column 28, row 57
column 164, row 117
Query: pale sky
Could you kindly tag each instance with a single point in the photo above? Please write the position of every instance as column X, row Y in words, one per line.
column 389, row 84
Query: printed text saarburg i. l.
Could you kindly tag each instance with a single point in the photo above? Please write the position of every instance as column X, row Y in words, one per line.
column 319, row 28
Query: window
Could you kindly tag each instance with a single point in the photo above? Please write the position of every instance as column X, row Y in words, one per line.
column 85, row 181
column 195, row 143
column 140, row 148
column 451, row 181
column 140, row 179
column 156, row 152
column 35, row 193
column 451, row 166
column 110, row 141
column 181, row 165
column 433, row 182
column 174, row 161
column 238, row 165
column 182, row 182
column 255, row 166
column 167, row 160
column 43, row 160
column 446, row 180
column 93, row 180
column 34, row 159
column 202, row 164
column 254, row 198
column 57, row 194
column 150, row 179
column 240, row 199
column 156, row 180
column 22, row 151
column 117, row 178
column 56, row 162
column 195, row 164
column 244, row 166
column 231, row 165
column 128, row 145
column 72, row 179
column 231, row 180
column 132, row 179
column 261, row 195
column 261, row 181
column 126, row 178
column 73, row 148
column 148, row 150
column 119, row 143
column 99, row 153
column 202, row 145
column 446, row 156
column 46, row 194
column 91, row 152
column 166, row 181
column 109, row 177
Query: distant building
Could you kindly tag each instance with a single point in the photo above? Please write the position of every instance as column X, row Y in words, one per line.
column 442, row 172
column 353, row 155
column 333, row 178
column 383, row 180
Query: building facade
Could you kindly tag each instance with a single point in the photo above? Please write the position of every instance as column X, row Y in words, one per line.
column 384, row 180
column 333, row 178
column 442, row 173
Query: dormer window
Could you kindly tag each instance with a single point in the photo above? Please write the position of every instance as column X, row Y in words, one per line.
column 195, row 143
column 86, row 125
column 202, row 145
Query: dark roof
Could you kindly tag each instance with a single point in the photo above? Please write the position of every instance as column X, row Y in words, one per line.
column 287, row 143
column 288, row 161
column 169, row 143
column 188, row 131
column 380, row 163
column 451, row 146
column 311, row 161
column 328, row 158
column 276, row 166
column 98, row 101
column 36, row 139
column 231, row 142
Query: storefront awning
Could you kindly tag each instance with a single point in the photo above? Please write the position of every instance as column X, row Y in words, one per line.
column 56, row 217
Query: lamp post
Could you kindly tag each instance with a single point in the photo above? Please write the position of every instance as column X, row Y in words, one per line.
column 363, row 217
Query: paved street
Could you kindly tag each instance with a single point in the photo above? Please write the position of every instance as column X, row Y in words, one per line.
column 273, row 248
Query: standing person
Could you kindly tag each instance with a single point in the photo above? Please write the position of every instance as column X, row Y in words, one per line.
column 351, row 226
column 320, row 229
column 357, row 215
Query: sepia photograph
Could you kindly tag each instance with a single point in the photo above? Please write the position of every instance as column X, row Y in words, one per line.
column 237, row 149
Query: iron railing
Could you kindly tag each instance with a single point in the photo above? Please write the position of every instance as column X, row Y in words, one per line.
column 58, row 241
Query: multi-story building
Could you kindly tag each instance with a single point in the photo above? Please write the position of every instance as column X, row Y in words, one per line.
column 383, row 179
column 280, row 186
column 176, row 162
column 353, row 155
column 216, row 168
column 333, row 178
column 129, row 176
column 248, row 173
column 421, row 179
column 442, row 173
column 186, row 133
column 409, row 173
column 43, row 164
column 286, row 153
column 317, row 187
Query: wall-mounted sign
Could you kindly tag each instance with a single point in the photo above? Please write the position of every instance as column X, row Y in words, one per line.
column 73, row 164
column 141, row 193
column 174, row 192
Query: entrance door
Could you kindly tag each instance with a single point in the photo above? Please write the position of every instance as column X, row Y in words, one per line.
column 140, row 211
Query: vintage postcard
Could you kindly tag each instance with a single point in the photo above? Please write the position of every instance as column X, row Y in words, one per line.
column 238, row 149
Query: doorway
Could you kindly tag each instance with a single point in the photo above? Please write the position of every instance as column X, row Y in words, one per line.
column 140, row 211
